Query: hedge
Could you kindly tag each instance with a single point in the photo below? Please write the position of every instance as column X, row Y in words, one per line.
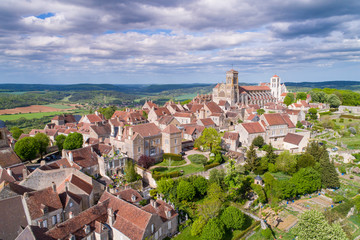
column 167, row 175
column 173, row 156
column 349, row 116
column 207, row 167
column 159, row 169
column 198, row 159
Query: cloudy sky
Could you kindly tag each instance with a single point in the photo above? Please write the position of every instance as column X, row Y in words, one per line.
column 178, row 41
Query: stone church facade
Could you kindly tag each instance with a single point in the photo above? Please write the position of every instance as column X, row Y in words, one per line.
column 245, row 95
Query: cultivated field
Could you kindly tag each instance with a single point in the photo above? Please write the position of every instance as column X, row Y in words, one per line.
column 36, row 109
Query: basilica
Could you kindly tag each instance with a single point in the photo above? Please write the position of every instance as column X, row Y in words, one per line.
column 245, row 95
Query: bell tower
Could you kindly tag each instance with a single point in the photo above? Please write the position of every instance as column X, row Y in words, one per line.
column 232, row 78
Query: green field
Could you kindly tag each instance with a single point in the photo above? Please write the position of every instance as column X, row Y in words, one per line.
column 185, row 97
column 191, row 168
column 59, row 106
column 28, row 115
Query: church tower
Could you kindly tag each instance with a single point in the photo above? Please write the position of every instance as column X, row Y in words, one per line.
column 275, row 86
column 232, row 78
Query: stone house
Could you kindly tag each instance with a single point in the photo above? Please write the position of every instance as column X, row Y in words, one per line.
column 295, row 115
column 191, row 131
column 231, row 141
column 71, row 203
column 44, row 206
column 173, row 107
column 295, row 143
column 224, row 105
column 206, row 122
column 277, row 126
column 166, row 120
column 249, row 131
column 63, row 119
column 129, row 117
column 184, row 117
column 171, row 139
column 93, row 118
column 156, row 113
column 149, row 105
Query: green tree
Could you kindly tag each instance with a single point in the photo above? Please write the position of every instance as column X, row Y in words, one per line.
column 301, row 96
column 217, row 176
column 258, row 141
column 209, row 140
column 305, row 160
column 214, row 230
column 252, row 161
column 260, row 111
column 73, row 141
column 215, row 192
column 107, row 112
column 43, row 142
column 329, row 176
column 270, row 154
column 16, row 132
column 334, row 101
column 286, row 162
column 185, row 190
column 233, row 218
column 313, row 113
column 210, row 208
column 165, row 185
column 260, row 192
column 306, row 180
column 130, row 173
column 26, row 148
column 201, row 185
column 287, row 100
column 313, row 225
column 60, row 141
column 299, row 125
column 198, row 226
column 319, row 97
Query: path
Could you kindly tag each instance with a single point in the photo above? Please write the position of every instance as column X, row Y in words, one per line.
column 187, row 153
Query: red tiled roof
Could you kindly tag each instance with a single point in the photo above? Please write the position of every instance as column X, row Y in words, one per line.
column 161, row 111
column 161, row 208
column 165, row 120
column 217, row 85
column 253, row 127
column 8, row 157
column 128, row 194
column 85, row 157
column 33, row 132
column 287, row 120
column 4, row 176
column 129, row 117
column 130, row 220
column 293, row 138
column 231, row 135
column 146, row 129
column 274, row 119
column 251, row 117
column 207, row 121
column 93, row 118
column 101, row 130
column 213, row 107
column 183, row 114
column 222, row 102
column 86, row 187
column 38, row 199
column 196, row 107
column 170, row 129
column 255, row 88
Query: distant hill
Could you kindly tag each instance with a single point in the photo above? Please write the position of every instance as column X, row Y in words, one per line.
column 339, row 84
column 128, row 88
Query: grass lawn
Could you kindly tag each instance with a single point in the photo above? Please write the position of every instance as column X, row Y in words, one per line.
column 173, row 163
column 185, row 235
column 59, row 106
column 278, row 233
column 355, row 219
column 28, row 115
column 351, row 142
column 281, row 176
column 191, row 168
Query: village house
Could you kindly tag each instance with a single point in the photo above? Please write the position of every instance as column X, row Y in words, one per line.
column 231, row 141
column 184, row 117
column 173, row 107
column 296, row 143
column 277, row 126
column 249, row 131
column 206, row 122
column 166, row 120
column 93, row 118
column 8, row 157
column 129, row 117
column 156, row 113
column 295, row 115
column 171, row 139
column 191, row 131
column 64, row 119
column 149, row 105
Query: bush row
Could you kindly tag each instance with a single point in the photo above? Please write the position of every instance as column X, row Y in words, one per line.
column 349, row 116
column 166, row 175
column 212, row 165
column 173, row 156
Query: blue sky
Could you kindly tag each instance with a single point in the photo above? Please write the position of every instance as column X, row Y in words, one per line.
column 178, row 41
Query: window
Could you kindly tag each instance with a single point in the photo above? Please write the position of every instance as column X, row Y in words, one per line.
column 152, row 228
column 160, row 232
column 71, row 204
column 166, row 141
column 157, row 141
column 169, row 224
column 44, row 223
column 53, row 220
column 152, row 151
column 58, row 217
column 175, row 141
column 139, row 149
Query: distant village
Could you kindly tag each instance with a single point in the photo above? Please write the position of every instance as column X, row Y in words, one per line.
column 77, row 194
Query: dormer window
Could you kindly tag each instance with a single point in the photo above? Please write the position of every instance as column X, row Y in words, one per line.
column 152, row 228
column 133, row 198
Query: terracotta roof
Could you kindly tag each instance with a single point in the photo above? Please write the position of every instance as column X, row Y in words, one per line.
column 165, row 120
column 93, row 118
column 275, row 76
column 129, row 116
column 207, row 122
column 196, row 107
column 284, row 94
column 287, row 120
column 292, row 112
column 66, row 196
column 231, row 135
column 17, row 171
column 293, row 138
column 222, row 102
column 86, row 187
column 101, row 130
column 36, row 201
column 232, row 70
column 130, row 220
column 85, row 157
column 183, row 114
column 170, row 129
column 213, row 107
column 161, row 209
column 150, row 104
column 103, row 148
column 128, row 194
column 116, row 123
column 4, row 176
column 255, row 88
column 8, row 157
column 13, row 217
column 161, row 111
column 253, row 127
column 251, row 117
column 33, row 132
column 23, row 135
column 146, row 129
column 254, row 106
column 77, row 223
column 274, row 119
column 217, row 85
column 231, row 114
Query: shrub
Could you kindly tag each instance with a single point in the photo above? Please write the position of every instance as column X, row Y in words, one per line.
column 342, row 169
column 266, row 233
column 166, row 175
column 198, row 159
column 212, row 165
column 153, row 192
column 338, row 198
column 143, row 202
column 172, row 156
column 159, row 169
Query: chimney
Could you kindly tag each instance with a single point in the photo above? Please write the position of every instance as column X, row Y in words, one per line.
column 9, row 172
column 131, row 132
column 71, row 158
column 112, row 130
column 110, row 216
column 24, row 173
column 153, row 203
column 53, row 185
